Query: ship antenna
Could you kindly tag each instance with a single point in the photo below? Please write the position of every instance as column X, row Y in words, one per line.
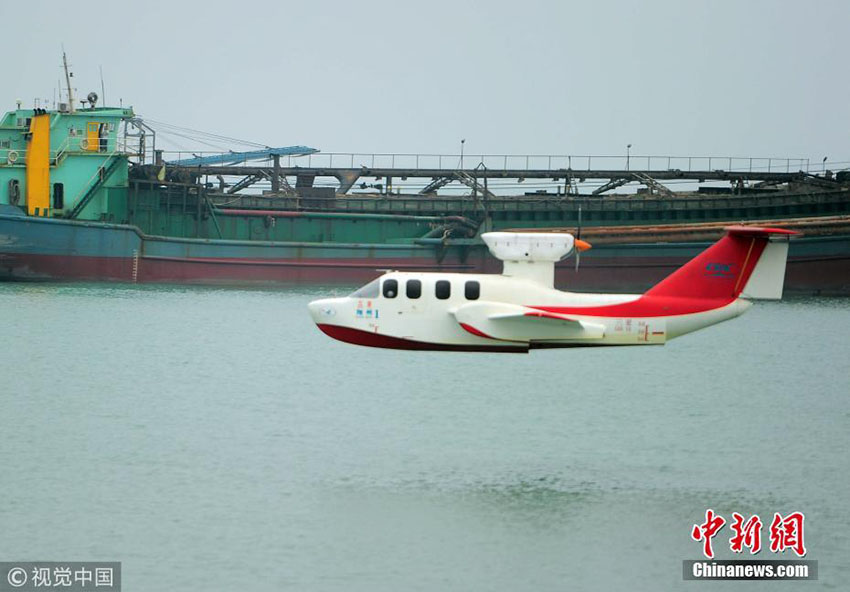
column 102, row 88
column 68, row 81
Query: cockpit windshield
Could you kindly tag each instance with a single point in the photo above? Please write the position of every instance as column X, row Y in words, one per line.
column 370, row 290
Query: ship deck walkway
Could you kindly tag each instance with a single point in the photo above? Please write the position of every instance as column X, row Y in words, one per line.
column 439, row 170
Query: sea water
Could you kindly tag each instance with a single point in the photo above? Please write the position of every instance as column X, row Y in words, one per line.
column 214, row 439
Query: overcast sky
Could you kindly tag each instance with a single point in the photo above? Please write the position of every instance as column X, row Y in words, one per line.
column 675, row 77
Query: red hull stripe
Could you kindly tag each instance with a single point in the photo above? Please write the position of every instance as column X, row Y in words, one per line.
column 474, row 331
column 190, row 270
column 367, row 264
column 368, row 339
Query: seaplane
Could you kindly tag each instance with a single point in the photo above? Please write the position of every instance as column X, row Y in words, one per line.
column 520, row 310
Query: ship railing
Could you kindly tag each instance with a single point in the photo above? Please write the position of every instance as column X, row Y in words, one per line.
column 79, row 145
column 528, row 162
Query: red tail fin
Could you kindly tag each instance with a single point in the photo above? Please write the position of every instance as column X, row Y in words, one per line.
column 723, row 269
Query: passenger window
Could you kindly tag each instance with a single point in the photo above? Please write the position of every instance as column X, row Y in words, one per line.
column 414, row 289
column 390, row 288
column 443, row 289
column 472, row 290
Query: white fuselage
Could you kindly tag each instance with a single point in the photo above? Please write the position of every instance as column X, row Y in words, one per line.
column 502, row 312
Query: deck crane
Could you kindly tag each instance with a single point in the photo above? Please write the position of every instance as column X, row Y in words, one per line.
column 229, row 158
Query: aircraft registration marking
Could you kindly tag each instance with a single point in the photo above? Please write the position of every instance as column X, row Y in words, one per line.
column 366, row 312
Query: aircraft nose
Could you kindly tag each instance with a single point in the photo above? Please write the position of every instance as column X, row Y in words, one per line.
column 323, row 310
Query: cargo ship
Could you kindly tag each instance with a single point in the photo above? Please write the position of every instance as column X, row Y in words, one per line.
column 86, row 195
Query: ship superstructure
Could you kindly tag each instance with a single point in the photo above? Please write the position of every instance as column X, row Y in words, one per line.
column 86, row 193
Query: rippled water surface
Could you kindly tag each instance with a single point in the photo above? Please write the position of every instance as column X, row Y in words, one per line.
column 213, row 439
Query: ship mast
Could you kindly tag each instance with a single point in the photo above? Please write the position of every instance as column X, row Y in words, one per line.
column 68, row 82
